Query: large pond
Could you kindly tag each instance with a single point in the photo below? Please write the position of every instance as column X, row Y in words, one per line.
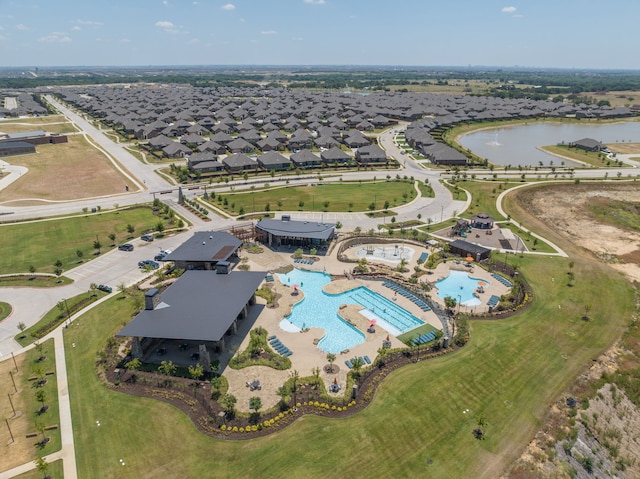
column 518, row 145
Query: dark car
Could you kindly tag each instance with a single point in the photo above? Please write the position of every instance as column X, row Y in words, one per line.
column 162, row 255
column 126, row 247
column 147, row 238
column 148, row 263
column 105, row 288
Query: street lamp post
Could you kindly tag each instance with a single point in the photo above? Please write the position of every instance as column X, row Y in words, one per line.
column 441, row 213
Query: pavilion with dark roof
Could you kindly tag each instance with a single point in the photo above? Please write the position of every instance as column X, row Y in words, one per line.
column 205, row 249
column 482, row 221
column 201, row 307
column 464, row 248
column 285, row 231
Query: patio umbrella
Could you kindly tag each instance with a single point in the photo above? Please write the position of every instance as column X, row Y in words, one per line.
column 295, row 286
column 468, row 258
column 335, row 380
column 372, row 322
column 481, row 283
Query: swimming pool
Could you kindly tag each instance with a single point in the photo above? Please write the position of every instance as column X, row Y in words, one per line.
column 460, row 286
column 320, row 310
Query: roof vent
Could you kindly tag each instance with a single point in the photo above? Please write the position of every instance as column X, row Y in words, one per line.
column 204, row 243
column 210, row 237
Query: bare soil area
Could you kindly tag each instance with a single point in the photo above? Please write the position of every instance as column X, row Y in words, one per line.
column 66, row 171
column 566, row 209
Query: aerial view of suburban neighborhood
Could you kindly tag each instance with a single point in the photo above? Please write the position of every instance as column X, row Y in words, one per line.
column 319, row 239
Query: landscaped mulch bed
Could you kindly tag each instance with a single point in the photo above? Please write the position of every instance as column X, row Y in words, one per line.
column 194, row 397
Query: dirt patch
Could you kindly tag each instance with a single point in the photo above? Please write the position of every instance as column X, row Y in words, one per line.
column 625, row 148
column 66, row 171
column 567, row 210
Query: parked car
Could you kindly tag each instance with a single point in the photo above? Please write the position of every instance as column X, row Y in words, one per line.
column 126, row 247
column 148, row 263
column 147, row 238
column 162, row 254
column 105, row 288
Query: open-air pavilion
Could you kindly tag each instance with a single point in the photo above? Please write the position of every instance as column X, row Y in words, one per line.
column 200, row 309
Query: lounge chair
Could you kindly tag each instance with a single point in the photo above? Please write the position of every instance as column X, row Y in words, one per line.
column 348, row 363
column 368, row 361
column 272, row 337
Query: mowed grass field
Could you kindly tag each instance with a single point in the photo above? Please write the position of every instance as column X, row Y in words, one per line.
column 41, row 244
column 331, row 197
column 509, row 374
column 66, row 171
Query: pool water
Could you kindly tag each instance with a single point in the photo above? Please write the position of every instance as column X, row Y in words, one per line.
column 460, row 286
column 320, row 310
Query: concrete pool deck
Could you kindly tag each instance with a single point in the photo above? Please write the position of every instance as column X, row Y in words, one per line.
column 306, row 355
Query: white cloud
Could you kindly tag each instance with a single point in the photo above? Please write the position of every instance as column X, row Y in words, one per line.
column 164, row 24
column 509, row 9
column 55, row 37
column 165, row 3
column 21, row 26
column 315, row 2
column 268, row 32
column 125, row 40
column 228, row 7
column 76, row 28
column 297, row 39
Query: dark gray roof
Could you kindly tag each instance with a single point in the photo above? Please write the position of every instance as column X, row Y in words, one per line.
column 299, row 229
column 8, row 145
column 468, row 247
column 206, row 246
column 201, row 305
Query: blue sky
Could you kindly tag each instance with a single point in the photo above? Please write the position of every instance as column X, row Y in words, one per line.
column 532, row 33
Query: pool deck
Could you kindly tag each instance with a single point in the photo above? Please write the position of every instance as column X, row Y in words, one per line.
column 306, row 355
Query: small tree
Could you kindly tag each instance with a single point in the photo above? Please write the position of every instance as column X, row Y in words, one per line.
column 132, row 366
column 255, row 403
column 160, row 227
column 22, row 326
column 97, row 245
column 450, row 303
column 122, row 288
column 356, row 364
column 112, row 238
column 42, row 466
column 32, row 270
column 79, row 254
column 228, row 402
column 130, row 228
column 216, row 384
column 330, row 359
column 41, row 397
column 196, row 372
column 93, row 288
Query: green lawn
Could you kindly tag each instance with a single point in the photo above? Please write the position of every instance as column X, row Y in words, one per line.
column 55, row 470
column 42, row 243
column 36, row 281
column 28, row 390
column 340, row 197
column 415, row 427
column 5, row 310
